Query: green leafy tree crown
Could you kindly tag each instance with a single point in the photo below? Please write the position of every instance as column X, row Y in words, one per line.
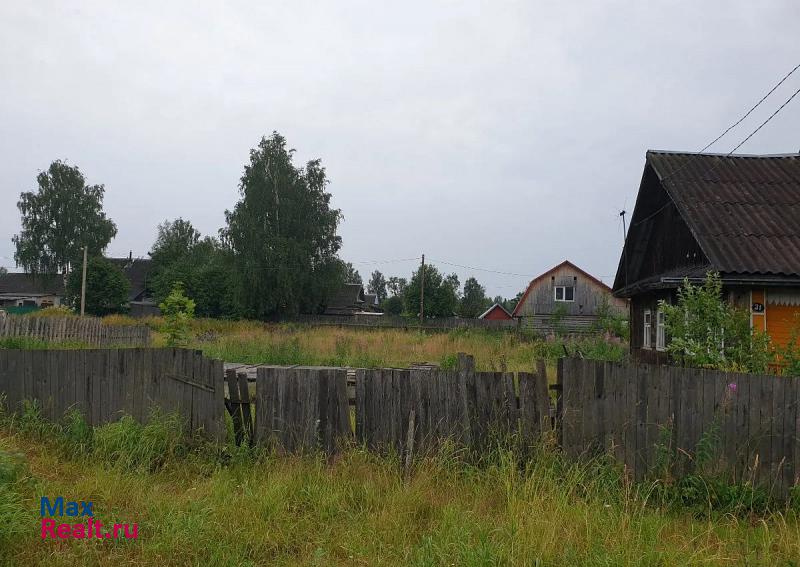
column 59, row 219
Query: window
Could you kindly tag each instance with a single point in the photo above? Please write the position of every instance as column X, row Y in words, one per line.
column 647, row 327
column 564, row 293
column 661, row 336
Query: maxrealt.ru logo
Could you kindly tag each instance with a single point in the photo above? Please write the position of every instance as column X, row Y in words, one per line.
column 90, row 528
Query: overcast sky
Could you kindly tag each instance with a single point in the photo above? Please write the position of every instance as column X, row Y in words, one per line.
column 499, row 135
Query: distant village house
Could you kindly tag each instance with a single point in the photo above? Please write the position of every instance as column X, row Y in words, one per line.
column 496, row 313
column 565, row 298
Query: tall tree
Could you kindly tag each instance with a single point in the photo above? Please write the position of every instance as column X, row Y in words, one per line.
column 377, row 285
column 282, row 233
column 440, row 294
column 397, row 286
column 474, row 302
column 200, row 264
column 59, row 219
column 107, row 288
column 351, row 275
column 176, row 239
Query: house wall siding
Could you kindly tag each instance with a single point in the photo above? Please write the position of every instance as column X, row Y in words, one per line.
column 540, row 300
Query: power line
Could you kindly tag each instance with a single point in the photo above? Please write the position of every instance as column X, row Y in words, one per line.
column 746, row 114
column 771, row 116
column 713, row 168
column 482, row 269
column 396, row 260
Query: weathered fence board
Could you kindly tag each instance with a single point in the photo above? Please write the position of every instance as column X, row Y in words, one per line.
column 744, row 426
column 88, row 330
column 104, row 384
column 471, row 409
column 302, row 408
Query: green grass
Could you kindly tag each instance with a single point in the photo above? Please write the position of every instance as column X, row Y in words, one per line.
column 219, row 505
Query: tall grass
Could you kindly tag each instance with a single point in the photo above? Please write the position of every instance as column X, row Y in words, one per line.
column 373, row 348
column 197, row 505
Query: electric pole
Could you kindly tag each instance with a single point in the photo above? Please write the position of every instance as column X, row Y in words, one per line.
column 83, row 283
column 422, row 291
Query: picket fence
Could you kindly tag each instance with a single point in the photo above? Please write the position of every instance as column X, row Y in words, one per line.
column 89, row 330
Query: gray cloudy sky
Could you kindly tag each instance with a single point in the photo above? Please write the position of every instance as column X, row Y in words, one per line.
column 502, row 135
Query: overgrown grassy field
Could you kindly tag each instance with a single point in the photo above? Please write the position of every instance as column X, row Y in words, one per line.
column 209, row 505
column 253, row 342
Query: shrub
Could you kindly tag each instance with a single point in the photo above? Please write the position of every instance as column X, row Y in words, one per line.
column 706, row 331
column 54, row 311
column 178, row 311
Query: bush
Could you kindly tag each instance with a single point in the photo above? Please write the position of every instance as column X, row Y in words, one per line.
column 178, row 311
column 706, row 331
column 54, row 311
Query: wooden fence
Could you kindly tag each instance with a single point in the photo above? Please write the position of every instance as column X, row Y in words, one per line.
column 302, row 408
column 650, row 417
column 400, row 410
column 89, row 330
column 104, row 384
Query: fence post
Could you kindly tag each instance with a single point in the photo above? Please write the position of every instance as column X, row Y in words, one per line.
column 466, row 362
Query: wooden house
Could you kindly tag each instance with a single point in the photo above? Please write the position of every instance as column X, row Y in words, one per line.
column 138, row 271
column 496, row 313
column 350, row 299
column 733, row 214
column 19, row 291
column 565, row 297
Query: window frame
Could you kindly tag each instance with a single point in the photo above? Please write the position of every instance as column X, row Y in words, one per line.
column 647, row 335
column 563, row 289
column 661, row 331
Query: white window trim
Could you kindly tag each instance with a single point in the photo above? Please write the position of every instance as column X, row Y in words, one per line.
column 648, row 329
column 563, row 293
column 661, row 331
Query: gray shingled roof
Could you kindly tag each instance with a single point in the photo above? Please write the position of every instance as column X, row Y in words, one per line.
column 744, row 211
column 20, row 283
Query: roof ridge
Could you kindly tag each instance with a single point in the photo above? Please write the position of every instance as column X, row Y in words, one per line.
column 726, row 155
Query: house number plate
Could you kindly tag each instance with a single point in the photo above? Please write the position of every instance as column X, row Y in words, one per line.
column 758, row 307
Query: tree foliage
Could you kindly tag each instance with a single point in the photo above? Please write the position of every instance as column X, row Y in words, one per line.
column 351, row 275
column 706, row 331
column 107, row 288
column 201, row 264
column 59, row 219
column 474, row 301
column 282, row 233
column 441, row 299
column 397, row 286
column 178, row 312
column 377, row 285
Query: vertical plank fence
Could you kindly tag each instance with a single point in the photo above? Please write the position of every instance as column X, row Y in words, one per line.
column 89, row 330
column 105, row 384
column 653, row 418
column 302, row 409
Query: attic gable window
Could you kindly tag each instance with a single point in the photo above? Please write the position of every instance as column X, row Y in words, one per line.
column 564, row 293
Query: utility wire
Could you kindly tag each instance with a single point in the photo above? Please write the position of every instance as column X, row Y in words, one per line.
column 482, row 269
column 746, row 114
column 739, row 145
column 771, row 116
